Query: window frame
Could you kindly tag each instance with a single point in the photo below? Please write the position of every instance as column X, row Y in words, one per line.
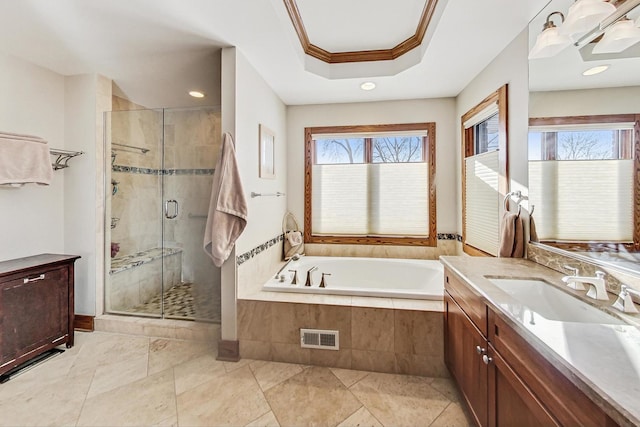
column 635, row 152
column 429, row 154
column 498, row 97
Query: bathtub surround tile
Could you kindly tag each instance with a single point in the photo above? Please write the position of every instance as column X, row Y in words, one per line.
column 254, row 320
column 400, row 400
column 362, row 417
column 286, row 321
column 232, row 399
column 419, row 305
column 290, row 353
column 418, row 332
column 259, row 350
column 270, row 374
column 372, row 329
column 370, row 302
column 331, row 317
column 313, row 397
column 376, row 361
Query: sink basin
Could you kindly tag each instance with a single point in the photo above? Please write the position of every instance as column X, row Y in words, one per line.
column 544, row 299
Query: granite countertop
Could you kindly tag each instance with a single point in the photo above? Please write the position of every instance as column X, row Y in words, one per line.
column 603, row 360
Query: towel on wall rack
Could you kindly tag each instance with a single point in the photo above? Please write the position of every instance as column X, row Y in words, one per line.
column 227, row 216
column 24, row 159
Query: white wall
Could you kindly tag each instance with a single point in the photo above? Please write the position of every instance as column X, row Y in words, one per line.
column 510, row 66
column 32, row 102
column 617, row 100
column 441, row 111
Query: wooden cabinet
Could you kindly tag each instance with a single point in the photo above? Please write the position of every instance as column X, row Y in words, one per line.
column 503, row 380
column 36, row 307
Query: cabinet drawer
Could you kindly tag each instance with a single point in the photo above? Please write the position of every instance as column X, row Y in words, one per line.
column 470, row 302
column 561, row 397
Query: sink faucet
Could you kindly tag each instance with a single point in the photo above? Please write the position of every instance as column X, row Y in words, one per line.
column 308, row 281
column 597, row 288
column 578, row 286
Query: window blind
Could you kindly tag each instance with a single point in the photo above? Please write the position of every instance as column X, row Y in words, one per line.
column 390, row 199
column 482, row 202
column 589, row 200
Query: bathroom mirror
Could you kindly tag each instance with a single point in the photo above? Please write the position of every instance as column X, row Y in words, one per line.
column 583, row 142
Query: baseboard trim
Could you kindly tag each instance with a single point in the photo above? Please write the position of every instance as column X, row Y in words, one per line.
column 82, row 322
column 228, row 351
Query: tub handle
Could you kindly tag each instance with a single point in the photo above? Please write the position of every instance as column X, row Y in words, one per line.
column 323, row 284
column 308, row 282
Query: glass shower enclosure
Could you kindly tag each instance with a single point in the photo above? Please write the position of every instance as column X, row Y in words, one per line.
column 158, row 185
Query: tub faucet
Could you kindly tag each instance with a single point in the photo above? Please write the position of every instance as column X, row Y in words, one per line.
column 294, row 281
column 597, row 288
column 323, row 283
column 308, row 282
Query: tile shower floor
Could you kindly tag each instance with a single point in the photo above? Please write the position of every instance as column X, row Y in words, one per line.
column 112, row 380
column 180, row 303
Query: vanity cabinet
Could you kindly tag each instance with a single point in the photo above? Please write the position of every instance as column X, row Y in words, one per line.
column 36, row 307
column 503, row 379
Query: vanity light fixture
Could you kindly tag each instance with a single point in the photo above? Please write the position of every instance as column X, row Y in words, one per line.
column 583, row 15
column 550, row 42
column 618, row 37
column 196, row 94
column 595, row 70
column 368, row 86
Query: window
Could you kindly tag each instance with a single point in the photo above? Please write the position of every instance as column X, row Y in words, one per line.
column 583, row 165
column 370, row 184
column 484, row 135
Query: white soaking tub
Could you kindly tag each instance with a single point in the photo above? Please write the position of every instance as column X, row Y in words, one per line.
column 376, row 277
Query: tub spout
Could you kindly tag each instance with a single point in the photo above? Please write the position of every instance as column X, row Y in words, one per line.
column 323, row 283
column 308, row 282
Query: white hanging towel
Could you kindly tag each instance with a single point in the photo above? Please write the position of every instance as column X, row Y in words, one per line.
column 24, row 159
column 227, row 215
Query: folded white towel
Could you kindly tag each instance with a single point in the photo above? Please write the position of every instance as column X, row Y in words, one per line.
column 294, row 237
column 24, row 159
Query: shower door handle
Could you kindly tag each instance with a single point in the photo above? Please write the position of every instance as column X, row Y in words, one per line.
column 175, row 209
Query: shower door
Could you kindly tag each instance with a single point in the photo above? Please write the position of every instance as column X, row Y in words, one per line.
column 158, row 187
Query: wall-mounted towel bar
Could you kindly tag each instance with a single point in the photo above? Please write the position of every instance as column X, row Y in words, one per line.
column 63, row 157
column 276, row 194
column 133, row 147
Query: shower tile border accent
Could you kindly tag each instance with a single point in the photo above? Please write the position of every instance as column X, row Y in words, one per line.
column 151, row 171
column 242, row 258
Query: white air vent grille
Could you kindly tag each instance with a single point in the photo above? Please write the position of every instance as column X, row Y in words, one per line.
column 318, row 338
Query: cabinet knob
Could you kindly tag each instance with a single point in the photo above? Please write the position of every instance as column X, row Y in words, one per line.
column 486, row 359
column 480, row 350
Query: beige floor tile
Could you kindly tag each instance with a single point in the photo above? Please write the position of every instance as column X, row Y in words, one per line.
column 115, row 375
column 313, row 397
column 267, row 420
column 348, row 376
column 232, row 399
column 165, row 354
column 447, row 387
column 452, row 416
column 54, row 403
column 269, row 374
column 400, row 400
column 103, row 349
column 232, row 366
column 172, row 421
column 361, row 418
column 197, row 371
column 144, row 402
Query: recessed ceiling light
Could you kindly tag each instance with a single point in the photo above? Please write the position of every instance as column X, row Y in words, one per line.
column 196, row 94
column 595, row 70
column 368, row 86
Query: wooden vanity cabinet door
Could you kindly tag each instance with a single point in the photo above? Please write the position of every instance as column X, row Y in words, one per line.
column 462, row 339
column 511, row 403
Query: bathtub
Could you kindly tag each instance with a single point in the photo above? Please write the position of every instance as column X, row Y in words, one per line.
column 377, row 277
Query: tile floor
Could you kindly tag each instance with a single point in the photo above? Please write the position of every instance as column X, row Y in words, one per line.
column 113, row 380
column 182, row 302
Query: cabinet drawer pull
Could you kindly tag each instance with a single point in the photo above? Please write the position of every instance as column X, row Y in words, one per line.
column 480, row 350
column 33, row 279
column 486, row 359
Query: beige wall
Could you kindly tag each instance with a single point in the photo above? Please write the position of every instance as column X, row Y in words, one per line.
column 615, row 100
column 441, row 111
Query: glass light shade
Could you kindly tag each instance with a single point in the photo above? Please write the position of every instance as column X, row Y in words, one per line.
column 549, row 43
column 620, row 36
column 584, row 15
